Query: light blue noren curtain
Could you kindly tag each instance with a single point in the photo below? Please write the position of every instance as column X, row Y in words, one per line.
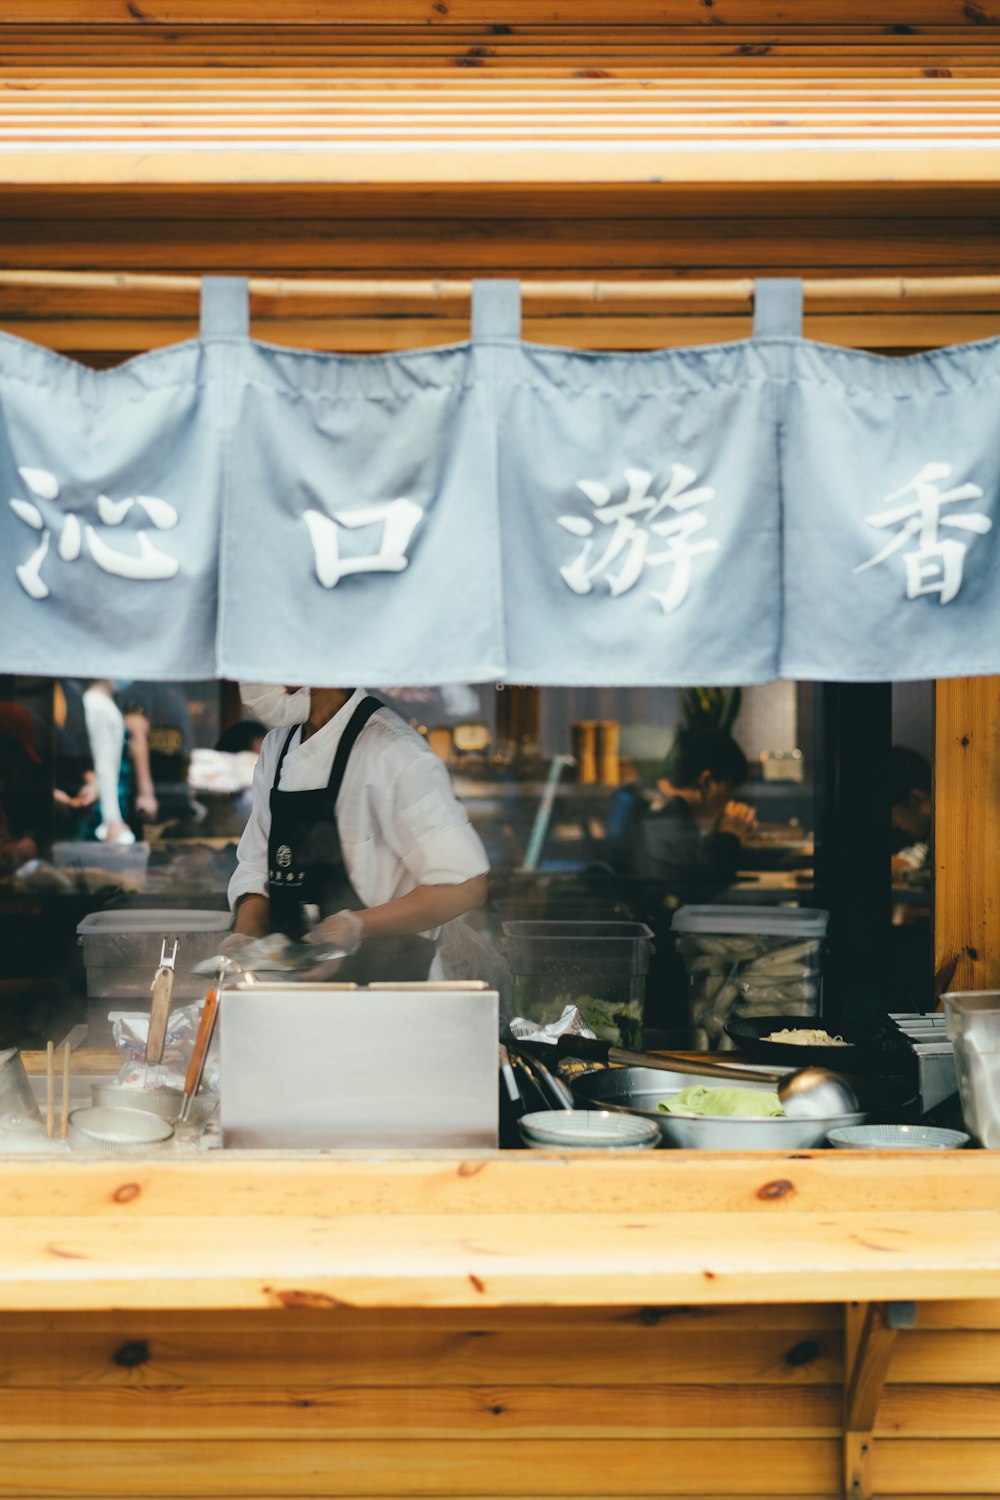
column 639, row 502
column 891, row 480
column 361, row 532
column 109, row 512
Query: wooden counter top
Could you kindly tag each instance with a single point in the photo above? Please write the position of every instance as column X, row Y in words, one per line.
column 670, row 1324
column 507, row 1229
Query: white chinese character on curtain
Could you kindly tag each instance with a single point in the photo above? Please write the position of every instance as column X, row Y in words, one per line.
column 644, row 531
column 936, row 563
column 398, row 519
column 149, row 564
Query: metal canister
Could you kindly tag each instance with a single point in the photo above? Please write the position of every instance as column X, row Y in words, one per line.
column 17, row 1101
column 608, row 740
column 585, row 751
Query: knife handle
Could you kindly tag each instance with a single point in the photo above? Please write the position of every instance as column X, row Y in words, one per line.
column 159, row 1013
column 205, row 1028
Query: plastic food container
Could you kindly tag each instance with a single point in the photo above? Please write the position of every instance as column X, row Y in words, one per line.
column 972, row 1018
column 88, row 854
column 121, row 949
column 749, row 961
column 600, row 967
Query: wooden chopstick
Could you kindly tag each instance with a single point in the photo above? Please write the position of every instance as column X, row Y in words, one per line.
column 64, row 1113
column 50, row 1090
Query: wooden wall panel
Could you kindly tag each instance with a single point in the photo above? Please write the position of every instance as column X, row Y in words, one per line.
column 728, row 1402
column 967, row 834
column 882, row 15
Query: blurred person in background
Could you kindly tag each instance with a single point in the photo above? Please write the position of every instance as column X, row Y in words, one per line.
column 75, row 782
column 112, row 768
column 20, row 790
column 678, row 842
column 248, row 734
column 911, row 814
column 161, row 738
column 683, row 835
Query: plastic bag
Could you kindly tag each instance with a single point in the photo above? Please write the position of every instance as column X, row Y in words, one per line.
column 131, row 1030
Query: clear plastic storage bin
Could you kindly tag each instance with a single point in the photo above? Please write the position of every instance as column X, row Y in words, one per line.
column 749, row 961
column 121, row 949
column 973, row 1021
column 600, row 967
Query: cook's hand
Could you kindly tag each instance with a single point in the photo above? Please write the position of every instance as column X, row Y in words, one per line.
column 147, row 804
column 321, row 973
column 234, row 941
column 345, row 930
column 738, row 819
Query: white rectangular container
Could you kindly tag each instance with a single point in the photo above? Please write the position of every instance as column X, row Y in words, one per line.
column 307, row 1066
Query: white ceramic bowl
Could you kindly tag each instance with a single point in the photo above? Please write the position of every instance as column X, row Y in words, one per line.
column 897, row 1138
column 587, row 1130
column 124, row 1132
column 638, row 1092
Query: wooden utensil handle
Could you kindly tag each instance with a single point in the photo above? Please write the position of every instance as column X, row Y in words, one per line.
column 201, row 1041
column 709, row 1066
column 159, row 1014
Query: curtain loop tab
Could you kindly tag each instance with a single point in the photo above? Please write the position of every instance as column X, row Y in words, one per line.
column 777, row 307
column 496, row 310
column 225, row 307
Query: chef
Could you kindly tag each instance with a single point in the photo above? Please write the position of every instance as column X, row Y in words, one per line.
column 355, row 838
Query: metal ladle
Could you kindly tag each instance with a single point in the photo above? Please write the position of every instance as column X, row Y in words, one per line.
column 804, row 1093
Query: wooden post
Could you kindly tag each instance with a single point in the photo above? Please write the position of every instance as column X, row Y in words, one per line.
column 967, row 834
column 869, row 1337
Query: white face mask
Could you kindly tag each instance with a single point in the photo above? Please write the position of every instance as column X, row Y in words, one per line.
column 274, row 705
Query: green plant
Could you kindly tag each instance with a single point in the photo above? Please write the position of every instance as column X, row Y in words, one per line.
column 710, row 707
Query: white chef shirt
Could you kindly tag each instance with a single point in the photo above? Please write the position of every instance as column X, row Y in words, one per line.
column 399, row 821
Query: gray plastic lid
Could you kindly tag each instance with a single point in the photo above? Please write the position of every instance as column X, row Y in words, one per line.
column 767, row 921
column 160, row 920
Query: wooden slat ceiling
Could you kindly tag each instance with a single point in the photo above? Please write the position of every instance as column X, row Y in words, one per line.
column 699, row 138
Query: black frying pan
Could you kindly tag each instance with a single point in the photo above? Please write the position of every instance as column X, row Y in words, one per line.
column 870, row 1054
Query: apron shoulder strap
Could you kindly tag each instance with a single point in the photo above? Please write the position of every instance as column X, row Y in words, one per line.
column 284, row 751
column 348, row 739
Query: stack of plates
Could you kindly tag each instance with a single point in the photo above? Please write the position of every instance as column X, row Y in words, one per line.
column 587, row 1130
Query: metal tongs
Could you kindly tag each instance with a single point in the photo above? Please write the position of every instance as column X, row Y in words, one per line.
column 159, row 1007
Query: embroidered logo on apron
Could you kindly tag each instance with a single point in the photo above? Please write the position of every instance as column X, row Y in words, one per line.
column 284, row 856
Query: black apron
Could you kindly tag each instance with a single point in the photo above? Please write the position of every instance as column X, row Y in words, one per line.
column 306, row 868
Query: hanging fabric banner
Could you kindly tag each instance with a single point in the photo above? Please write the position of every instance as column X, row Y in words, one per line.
column 109, row 513
column 891, row 485
column 639, row 499
column 360, row 539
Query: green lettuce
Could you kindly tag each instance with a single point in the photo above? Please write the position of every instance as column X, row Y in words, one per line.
column 701, row 1100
